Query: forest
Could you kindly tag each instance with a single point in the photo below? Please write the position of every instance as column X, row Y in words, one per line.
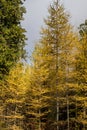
column 50, row 93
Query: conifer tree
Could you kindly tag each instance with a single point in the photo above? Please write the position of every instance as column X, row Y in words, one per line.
column 12, row 98
column 81, row 73
column 37, row 94
column 55, row 53
column 12, row 37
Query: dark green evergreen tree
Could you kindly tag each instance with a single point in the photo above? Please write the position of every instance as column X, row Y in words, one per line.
column 12, row 37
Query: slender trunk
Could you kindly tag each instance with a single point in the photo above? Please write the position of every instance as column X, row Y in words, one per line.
column 84, row 115
column 57, row 113
column 39, row 120
column 67, row 96
column 15, row 115
column 76, row 127
column 57, row 95
column 57, row 64
column 67, row 113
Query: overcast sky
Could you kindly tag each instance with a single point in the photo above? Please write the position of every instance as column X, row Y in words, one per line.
column 38, row 9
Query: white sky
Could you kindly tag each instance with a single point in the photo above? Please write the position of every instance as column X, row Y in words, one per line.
column 38, row 9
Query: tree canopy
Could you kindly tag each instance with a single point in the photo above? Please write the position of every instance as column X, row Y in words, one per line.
column 51, row 93
column 12, row 37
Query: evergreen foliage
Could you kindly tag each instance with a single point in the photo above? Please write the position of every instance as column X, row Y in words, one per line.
column 12, row 37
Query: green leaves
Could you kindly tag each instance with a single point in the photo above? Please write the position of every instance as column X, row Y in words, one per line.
column 12, row 37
